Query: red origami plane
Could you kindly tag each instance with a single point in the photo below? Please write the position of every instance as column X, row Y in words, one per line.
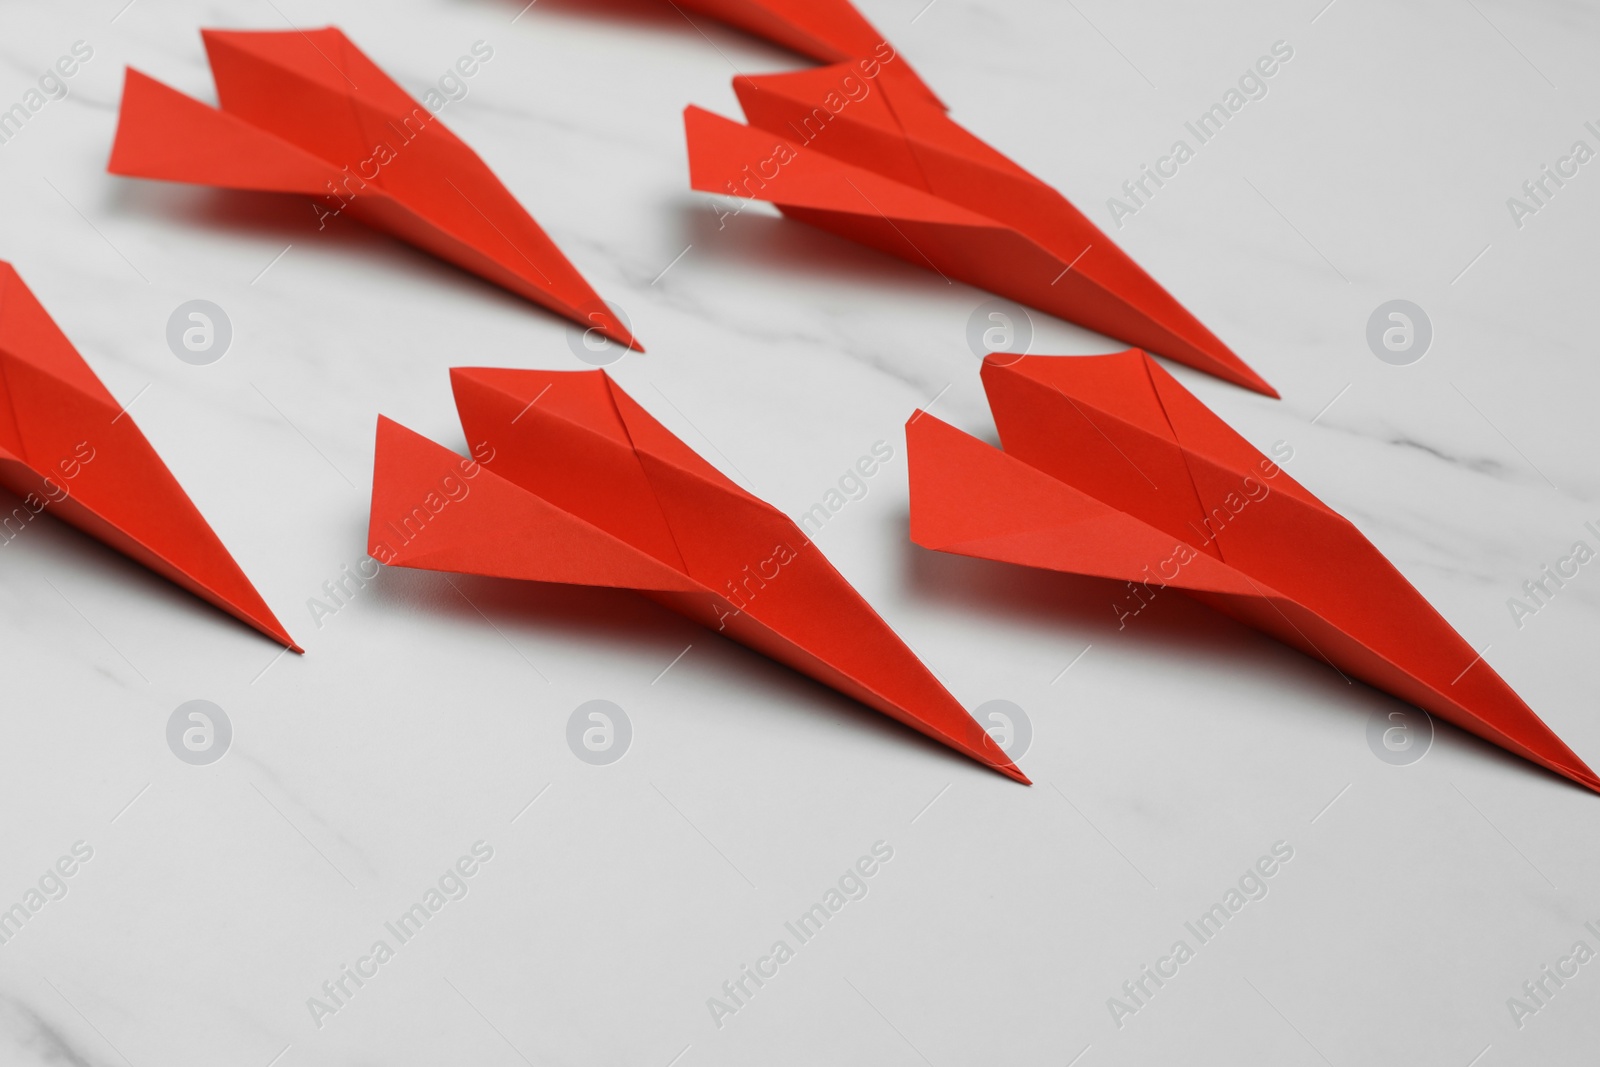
column 68, row 448
column 863, row 151
column 579, row 485
column 1112, row 469
column 305, row 112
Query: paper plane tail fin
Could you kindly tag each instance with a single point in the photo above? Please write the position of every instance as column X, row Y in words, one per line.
column 435, row 510
column 166, row 135
column 971, row 499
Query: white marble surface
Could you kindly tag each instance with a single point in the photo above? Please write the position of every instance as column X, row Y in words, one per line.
column 1171, row 755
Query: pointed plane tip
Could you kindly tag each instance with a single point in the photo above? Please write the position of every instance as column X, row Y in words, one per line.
column 258, row 617
column 264, row 623
column 991, row 755
column 274, row 629
column 1012, row 771
column 1264, row 389
column 1240, row 374
column 610, row 327
column 1574, row 771
column 1583, row 776
column 1219, row 361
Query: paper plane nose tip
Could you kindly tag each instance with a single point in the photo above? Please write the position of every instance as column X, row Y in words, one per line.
column 611, row 328
column 1218, row 360
column 1235, row 370
column 264, row 622
column 280, row 635
column 993, row 756
column 1011, row 770
column 267, row 626
column 1584, row 777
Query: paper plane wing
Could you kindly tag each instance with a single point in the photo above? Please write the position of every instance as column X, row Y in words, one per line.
column 866, row 160
column 69, row 449
column 971, row 499
column 1236, row 533
column 579, row 484
column 308, row 113
column 435, row 510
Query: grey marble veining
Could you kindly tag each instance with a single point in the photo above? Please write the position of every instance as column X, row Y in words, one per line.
column 429, row 716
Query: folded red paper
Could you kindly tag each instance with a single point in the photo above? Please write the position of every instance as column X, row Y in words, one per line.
column 863, row 151
column 573, row 482
column 825, row 30
column 306, row 112
column 829, row 31
column 1112, row 469
column 67, row 448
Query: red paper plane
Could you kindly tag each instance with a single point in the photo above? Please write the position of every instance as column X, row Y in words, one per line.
column 579, row 485
column 1112, row 469
column 306, row 112
column 68, row 448
column 871, row 157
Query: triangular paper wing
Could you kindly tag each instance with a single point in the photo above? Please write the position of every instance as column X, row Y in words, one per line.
column 64, row 440
column 160, row 127
column 1274, row 530
column 787, row 600
column 435, row 510
column 971, row 499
